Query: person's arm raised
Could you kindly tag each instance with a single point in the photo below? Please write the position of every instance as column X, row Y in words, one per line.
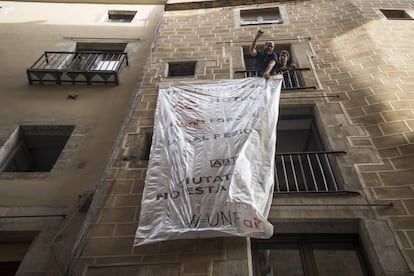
column 252, row 48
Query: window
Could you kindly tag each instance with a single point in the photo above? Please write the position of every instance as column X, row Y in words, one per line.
column 121, row 16
column 297, row 133
column 396, row 14
column 302, row 164
column 141, row 148
column 91, row 62
column 145, row 148
column 310, row 255
column 292, row 79
column 100, row 46
column 34, row 148
column 13, row 248
column 249, row 61
column 181, row 69
column 260, row 16
column 108, row 60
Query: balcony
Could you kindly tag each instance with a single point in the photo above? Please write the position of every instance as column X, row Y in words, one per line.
column 292, row 79
column 78, row 67
column 305, row 172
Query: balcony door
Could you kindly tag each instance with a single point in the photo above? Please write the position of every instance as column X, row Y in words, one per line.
column 302, row 163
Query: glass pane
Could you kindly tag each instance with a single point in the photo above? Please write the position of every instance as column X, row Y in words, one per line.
column 338, row 260
column 284, row 261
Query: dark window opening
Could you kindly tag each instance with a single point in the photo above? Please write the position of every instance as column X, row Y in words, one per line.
column 317, row 254
column 100, row 46
column 36, row 148
column 298, row 133
column 145, row 146
column 181, row 69
column 260, row 16
column 140, row 148
column 13, row 248
column 9, row 268
column 301, row 162
column 292, row 79
column 121, row 16
column 396, row 14
column 249, row 61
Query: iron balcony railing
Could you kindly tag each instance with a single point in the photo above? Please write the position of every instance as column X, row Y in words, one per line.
column 292, row 78
column 305, row 172
column 77, row 67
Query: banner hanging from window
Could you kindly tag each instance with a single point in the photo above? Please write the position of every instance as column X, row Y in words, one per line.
column 211, row 167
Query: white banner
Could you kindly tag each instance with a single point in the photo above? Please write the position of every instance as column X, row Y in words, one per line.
column 211, row 168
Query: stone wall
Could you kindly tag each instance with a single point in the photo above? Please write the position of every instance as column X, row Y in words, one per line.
column 363, row 105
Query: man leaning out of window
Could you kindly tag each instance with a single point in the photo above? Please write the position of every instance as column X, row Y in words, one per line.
column 266, row 59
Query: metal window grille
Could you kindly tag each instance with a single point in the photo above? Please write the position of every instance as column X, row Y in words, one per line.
column 292, row 78
column 305, row 172
column 77, row 67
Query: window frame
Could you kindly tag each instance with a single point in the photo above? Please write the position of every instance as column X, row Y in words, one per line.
column 260, row 13
column 396, row 14
column 110, row 54
column 307, row 117
column 294, row 79
column 174, row 65
column 20, row 239
column 304, row 242
column 310, row 168
column 121, row 16
column 19, row 142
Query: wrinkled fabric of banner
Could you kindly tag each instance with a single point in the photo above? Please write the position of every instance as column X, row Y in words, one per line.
column 210, row 172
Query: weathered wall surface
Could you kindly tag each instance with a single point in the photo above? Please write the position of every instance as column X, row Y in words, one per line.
column 97, row 114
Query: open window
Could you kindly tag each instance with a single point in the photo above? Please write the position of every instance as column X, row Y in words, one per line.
column 34, row 148
column 301, row 163
column 99, row 56
column 396, row 14
column 312, row 254
column 13, row 248
column 298, row 76
column 260, row 16
column 139, row 148
column 122, row 16
column 100, row 46
column 181, row 69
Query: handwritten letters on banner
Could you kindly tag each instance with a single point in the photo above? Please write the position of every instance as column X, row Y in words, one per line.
column 210, row 172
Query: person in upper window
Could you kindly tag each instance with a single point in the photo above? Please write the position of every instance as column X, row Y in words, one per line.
column 286, row 68
column 266, row 59
column 284, row 62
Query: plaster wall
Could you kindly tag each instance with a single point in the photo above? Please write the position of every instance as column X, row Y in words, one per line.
column 48, row 203
column 29, row 29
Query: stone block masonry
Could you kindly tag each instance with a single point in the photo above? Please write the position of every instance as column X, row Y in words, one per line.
column 359, row 55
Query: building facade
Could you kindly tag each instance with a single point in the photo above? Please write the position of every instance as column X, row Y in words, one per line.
column 343, row 201
column 56, row 139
